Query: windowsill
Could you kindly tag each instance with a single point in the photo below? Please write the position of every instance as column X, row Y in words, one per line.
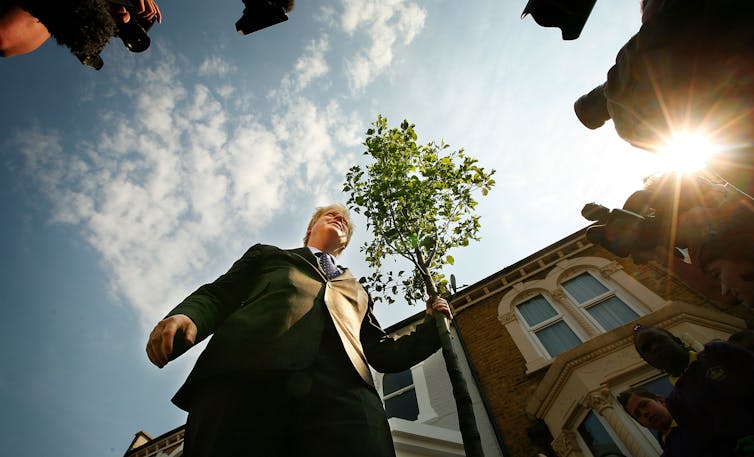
column 537, row 365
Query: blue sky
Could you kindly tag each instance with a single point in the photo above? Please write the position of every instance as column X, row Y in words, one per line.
column 123, row 190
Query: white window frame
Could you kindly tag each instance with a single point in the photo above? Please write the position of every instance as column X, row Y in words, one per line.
column 612, row 291
column 624, row 285
column 426, row 411
column 559, row 317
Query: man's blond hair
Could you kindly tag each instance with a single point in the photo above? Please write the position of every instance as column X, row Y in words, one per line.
column 319, row 211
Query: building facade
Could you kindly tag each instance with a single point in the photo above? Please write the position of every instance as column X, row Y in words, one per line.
column 550, row 339
column 546, row 346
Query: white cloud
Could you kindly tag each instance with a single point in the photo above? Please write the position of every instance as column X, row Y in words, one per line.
column 385, row 22
column 309, row 66
column 312, row 63
column 167, row 193
column 214, row 66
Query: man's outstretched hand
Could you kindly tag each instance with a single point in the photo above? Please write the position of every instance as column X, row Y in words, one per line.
column 160, row 344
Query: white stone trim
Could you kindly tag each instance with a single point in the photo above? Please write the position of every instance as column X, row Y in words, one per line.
column 608, row 272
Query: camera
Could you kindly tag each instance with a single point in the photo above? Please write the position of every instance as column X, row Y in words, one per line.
column 622, row 232
column 260, row 14
column 591, row 108
column 133, row 34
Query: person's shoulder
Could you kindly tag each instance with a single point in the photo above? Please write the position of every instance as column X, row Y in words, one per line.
column 260, row 249
column 715, row 349
column 265, row 247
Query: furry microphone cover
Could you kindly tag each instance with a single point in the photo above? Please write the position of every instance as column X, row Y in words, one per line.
column 84, row 26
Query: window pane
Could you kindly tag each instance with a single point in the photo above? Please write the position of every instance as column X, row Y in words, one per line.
column 660, row 386
column 596, row 437
column 395, row 381
column 403, row 406
column 536, row 310
column 584, row 287
column 558, row 338
column 612, row 313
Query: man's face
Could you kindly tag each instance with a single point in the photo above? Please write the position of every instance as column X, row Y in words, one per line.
column 329, row 232
column 661, row 350
column 649, row 412
column 736, row 278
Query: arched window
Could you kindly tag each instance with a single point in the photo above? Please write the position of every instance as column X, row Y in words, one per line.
column 599, row 302
column 547, row 325
column 578, row 299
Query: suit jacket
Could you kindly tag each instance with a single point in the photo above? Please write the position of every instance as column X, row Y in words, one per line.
column 269, row 310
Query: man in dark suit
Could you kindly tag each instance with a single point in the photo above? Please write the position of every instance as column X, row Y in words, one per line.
column 286, row 373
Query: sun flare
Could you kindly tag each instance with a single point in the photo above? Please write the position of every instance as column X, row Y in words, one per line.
column 686, row 152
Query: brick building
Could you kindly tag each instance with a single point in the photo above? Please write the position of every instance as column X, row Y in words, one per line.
column 550, row 338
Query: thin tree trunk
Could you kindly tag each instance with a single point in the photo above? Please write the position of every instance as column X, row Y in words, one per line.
column 472, row 443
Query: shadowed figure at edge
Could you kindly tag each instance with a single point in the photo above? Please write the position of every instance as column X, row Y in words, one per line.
column 713, row 393
column 286, row 373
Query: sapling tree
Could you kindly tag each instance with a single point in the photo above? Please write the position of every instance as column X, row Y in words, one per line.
column 419, row 202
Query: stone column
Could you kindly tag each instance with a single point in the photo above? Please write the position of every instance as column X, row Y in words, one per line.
column 602, row 402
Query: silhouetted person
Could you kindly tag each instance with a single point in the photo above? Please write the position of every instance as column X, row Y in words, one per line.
column 688, row 69
column 712, row 388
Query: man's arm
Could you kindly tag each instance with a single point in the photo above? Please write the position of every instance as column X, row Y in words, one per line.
column 391, row 355
column 199, row 315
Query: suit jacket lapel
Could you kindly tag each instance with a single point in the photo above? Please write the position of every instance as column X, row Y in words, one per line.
column 306, row 253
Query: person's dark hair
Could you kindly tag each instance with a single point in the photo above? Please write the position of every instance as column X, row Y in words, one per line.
column 639, row 329
column 744, row 338
column 639, row 392
column 83, row 26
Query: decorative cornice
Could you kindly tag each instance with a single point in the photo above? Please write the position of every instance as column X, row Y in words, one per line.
column 598, row 400
column 564, row 368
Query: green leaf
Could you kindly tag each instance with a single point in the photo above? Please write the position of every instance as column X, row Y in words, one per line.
column 413, row 196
